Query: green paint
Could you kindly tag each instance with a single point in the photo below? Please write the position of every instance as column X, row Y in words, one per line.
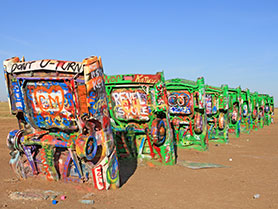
column 186, row 100
column 245, row 111
column 266, row 107
column 254, row 111
column 217, row 106
column 261, row 101
column 140, row 118
column 234, row 111
column 271, row 102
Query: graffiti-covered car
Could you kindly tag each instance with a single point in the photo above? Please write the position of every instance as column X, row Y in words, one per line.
column 261, row 101
column 271, row 103
column 217, row 105
column 186, row 100
column 64, row 125
column 268, row 109
column 254, row 111
column 245, row 111
column 140, row 118
column 234, row 111
column 267, row 104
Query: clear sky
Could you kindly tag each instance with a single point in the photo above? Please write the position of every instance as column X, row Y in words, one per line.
column 232, row 42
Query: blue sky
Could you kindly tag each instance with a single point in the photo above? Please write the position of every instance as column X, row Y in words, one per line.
column 227, row 42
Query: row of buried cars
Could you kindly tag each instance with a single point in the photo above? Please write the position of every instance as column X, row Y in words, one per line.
column 75, row 123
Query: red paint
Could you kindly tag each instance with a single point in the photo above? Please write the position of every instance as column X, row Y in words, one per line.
column 157, row 149
column 150, row 145
column 139, row 78
column 98, row 178
column 45, row 165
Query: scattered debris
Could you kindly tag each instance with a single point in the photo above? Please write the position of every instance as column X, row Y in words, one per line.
column 54, row 202
column 12, row 180
column 63, row 197
column 195, row 165
column 52, row 197
column 87, row 202
column 256, row 196
column 34, row 195
column 86, row 196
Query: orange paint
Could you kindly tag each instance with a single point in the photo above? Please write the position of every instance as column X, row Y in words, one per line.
column 50, row 99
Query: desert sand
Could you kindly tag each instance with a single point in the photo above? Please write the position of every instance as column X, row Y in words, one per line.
column 251, row 162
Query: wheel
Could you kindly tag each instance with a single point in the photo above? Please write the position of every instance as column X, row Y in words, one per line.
column 91, row 148
column 158, row 132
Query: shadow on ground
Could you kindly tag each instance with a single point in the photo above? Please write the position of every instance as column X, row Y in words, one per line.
column 127, row 168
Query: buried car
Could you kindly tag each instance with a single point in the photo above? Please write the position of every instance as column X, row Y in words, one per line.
column 186, row 100
column 64, row 125
column 217, row 105
column 271, row 103
column 245, row 124
column 140, row 117
column 234, row 111
column 262, row 108
column 254, row 111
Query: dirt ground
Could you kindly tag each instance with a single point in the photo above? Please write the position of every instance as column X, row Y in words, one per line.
column 251, row 171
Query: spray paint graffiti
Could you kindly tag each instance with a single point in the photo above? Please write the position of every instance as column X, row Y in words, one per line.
column 235, row 111
column 254, row 109
column 52, row 104
column 180, row 102
column 130, row 104
column 245, row 124
column 64, row 134
column 265, row 111
column 217, row 113
column 140, row 115
column 261, row 111
column 186, row 101
column 66, row 131
column 54, row 65
column 271, row 112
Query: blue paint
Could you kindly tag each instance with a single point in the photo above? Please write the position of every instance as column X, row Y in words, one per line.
column 65, row 122
column 28, row 154
column 39, row 121
column 210, row 130
column 48, row 120
column 54, row 202
column 142, row 145
column 56, row 122
column 69, row 99
column 17, row 95
column 28, row 94
column 185, row 110
column 91, row 150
